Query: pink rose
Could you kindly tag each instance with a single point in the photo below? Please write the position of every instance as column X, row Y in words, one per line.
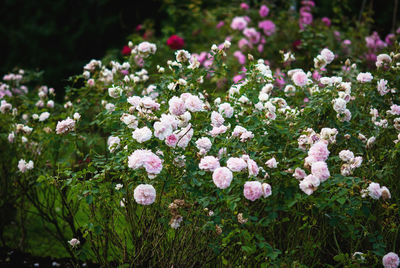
column 252, row 190
column 209, row 163
column 222, row 177
column 144, row 194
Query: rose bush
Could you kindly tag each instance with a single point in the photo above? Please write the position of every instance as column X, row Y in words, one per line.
column 225, row 156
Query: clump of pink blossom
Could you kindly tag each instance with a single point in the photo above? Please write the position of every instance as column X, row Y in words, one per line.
column 319, row 151
column 147, row 159
column 176, row 106
column 236, row 164
column 65, row 126
column 299, row 78
column 24, row 166
column 209, row 163
column 364, row 77
column 309, row 184
column 204, row 145
column 264, row 11
column 144, row 194
column 267, row 26
column 271, row 163
column 239, row 23
column 252, row 190
column 222, row 177
column 320, row 170
column 391, row 260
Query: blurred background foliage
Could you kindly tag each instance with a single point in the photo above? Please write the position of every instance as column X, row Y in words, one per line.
column 59, row 37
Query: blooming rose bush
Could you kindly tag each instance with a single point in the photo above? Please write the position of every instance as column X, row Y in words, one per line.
column 161, row 160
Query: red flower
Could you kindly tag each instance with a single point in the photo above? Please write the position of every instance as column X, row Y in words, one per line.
column 175, row 42
column 126, row 51
column 296, row 44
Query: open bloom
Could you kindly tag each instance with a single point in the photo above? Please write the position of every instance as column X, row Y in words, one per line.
column 222, row 177
column 364, row 77
column 74, row 242
column 309, row 184
column 65, row 126
column 238, row 23
column 175, row 42
column 145, row 158
column 209, row 163
column 319, row 151
column 320, row 170
column 23, row 166
column 253, row 190
column 374, row 190
column 391, row 260
column 144, row 194
column 299, row 78
column 236, row 164
column 204, row 145
column 142, row 134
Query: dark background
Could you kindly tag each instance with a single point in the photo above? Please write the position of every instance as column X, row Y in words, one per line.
column 60, row 36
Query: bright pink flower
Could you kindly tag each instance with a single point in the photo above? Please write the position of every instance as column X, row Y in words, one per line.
column 252, row 35
column 237, row 78
column 267, row 26
column 171, row 140
column 244, row 6
column 239, row 23
column 220, row 24
column 240, row 57
column 264, row 10
column 176, row 106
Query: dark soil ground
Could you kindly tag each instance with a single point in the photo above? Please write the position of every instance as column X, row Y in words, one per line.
column 16, row 258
